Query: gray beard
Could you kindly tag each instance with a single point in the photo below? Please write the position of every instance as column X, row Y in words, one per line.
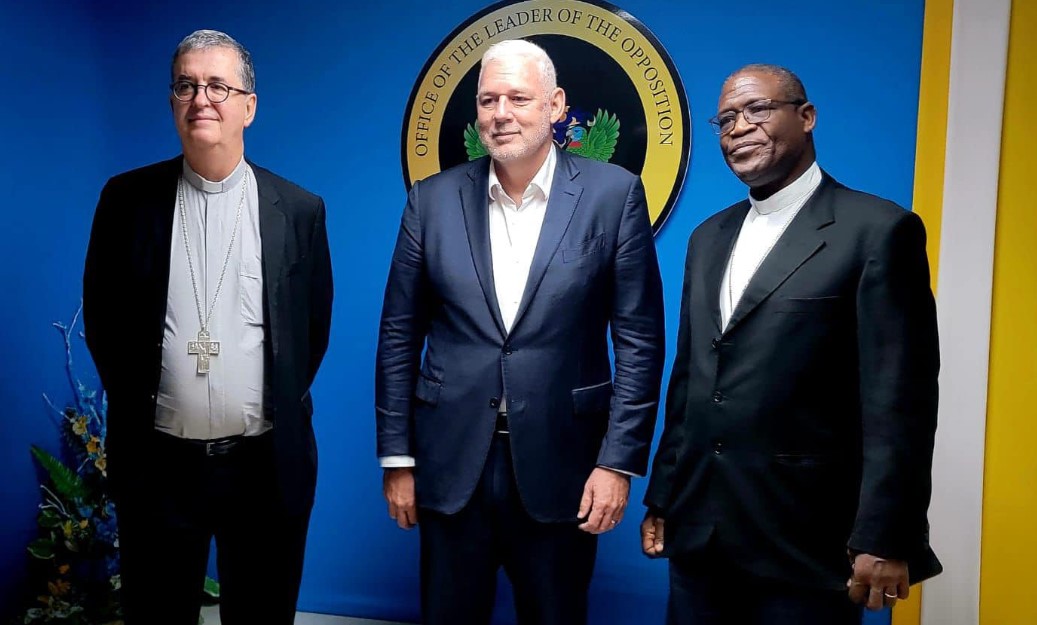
column 527, row 147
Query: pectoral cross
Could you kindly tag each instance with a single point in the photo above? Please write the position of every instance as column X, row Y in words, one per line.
column 203, row 348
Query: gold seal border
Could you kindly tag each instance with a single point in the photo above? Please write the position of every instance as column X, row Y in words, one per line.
column 610, row 29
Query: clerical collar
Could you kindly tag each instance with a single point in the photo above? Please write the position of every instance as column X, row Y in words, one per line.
column 793, row 194
column 230, row 182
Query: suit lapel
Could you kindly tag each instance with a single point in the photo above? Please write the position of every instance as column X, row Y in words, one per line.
column 475, row 206
column 800, row 241
column 717, row 255
column 561, row 205
column 272, row 235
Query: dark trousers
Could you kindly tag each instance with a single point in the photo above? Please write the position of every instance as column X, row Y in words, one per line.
column 549, row 564
column 704, row 592
column 188, row 497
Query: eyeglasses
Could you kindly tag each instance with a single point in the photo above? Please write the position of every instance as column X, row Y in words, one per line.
column 756, row 112
column 216, row 92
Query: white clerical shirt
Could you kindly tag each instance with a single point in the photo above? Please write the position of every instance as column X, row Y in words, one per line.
column 229, row 399
column 764, row 224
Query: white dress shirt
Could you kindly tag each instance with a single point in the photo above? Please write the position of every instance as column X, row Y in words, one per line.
column 229, row 399
column 764, row 224
column 514, row 232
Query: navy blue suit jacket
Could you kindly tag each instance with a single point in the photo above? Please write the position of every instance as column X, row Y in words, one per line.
column 445, row 357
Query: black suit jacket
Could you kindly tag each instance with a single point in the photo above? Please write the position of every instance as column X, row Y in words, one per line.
column 125, row 286
column 806, row 427
column 445, row 356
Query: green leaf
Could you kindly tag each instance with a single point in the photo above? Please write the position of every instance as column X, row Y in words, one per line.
column 210, row 591
column 472, row 144
column 49, row 518
column 211, row 587
column 42, row 549
column 66, row 482
column 600, row 142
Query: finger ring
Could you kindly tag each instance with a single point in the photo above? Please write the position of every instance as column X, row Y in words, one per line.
column 889, row 596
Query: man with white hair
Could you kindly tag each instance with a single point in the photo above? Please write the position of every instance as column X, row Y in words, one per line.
column 500, row 422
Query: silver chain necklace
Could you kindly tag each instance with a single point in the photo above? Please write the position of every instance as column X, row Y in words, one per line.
column 205, row 347
column 766, row 253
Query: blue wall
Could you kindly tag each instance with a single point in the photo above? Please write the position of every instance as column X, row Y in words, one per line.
column 54, row 156
column 87, row 99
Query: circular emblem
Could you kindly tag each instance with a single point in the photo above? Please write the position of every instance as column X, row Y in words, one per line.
column 625, row 101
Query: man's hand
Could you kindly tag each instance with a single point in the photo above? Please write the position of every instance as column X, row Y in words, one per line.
column 652, row 535
column 877, row 582
column 398, row 487
column 604, row 500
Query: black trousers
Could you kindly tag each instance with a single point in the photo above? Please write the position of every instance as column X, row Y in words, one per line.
column 187, row 498
column 549, row 564
column 708, row 592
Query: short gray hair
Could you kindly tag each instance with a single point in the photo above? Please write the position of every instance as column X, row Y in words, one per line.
column 523, row 49
column 205, row 39
column 791, row 86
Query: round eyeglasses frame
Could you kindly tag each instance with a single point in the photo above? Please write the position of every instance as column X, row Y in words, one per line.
column 212, row 91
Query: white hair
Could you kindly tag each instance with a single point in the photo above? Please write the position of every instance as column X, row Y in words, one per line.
column 520, row 48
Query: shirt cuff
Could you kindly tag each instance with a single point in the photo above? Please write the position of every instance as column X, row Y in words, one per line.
column 396, row 462
column 620, row 471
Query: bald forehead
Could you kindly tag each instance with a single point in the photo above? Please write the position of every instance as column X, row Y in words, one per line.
column 749, row 85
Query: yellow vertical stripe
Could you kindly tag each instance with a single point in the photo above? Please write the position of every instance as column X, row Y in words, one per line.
column 1009, row 548
column 930, row 148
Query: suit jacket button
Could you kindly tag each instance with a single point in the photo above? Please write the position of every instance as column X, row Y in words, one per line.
column 718, row 448
column 717, row 397
column 715, row 343
column 494, row 402
column 507, row 350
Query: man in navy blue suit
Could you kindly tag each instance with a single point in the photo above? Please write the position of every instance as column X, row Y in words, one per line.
column 500, row 422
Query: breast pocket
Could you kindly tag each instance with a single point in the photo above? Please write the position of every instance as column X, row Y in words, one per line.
column 251, row 281
column 584, row 249
column 808, row 305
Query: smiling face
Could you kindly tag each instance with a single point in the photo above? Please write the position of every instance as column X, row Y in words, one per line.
column 515, row 111
column 200, row 123
column 769, row 155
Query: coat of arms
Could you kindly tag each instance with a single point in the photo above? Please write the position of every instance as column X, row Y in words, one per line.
column 579, row 133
